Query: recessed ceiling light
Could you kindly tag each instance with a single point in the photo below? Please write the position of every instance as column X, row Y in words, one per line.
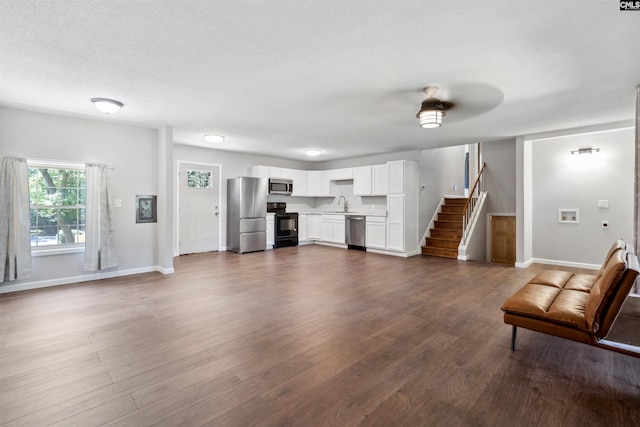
column 312, row 152
column 107, row 106
column 213, row 138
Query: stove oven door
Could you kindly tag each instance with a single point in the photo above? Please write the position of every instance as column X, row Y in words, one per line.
column 286, row 233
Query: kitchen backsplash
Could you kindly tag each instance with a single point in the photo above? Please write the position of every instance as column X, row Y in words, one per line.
column 337, row 188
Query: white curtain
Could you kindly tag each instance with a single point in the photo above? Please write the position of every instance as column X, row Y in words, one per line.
column 15, row 243
column 99, row 252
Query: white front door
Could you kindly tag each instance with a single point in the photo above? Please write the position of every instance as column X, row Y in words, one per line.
column 198, row 208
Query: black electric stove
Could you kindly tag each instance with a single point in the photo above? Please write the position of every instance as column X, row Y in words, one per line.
column 286, row 225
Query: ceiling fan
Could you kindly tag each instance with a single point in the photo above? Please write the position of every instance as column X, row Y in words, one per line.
column 432, row 110
column 457, row 100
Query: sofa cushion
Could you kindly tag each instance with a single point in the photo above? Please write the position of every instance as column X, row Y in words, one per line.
column 604, row 287
column 557, row 296
column 617, row 245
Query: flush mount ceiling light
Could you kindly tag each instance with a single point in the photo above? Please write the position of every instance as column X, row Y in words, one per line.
column 313, row 152
column 588, row 150
column 432, row 110
column 107, row 106
column 213, row 138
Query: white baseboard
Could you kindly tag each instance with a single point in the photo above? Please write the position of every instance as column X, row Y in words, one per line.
column 392, row 253
column 524, row 264
column 335, row 245
column 566, row 263
column 25, row 286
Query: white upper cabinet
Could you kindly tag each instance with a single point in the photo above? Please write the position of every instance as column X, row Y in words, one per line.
column 380, row 180
column 396, row 176
column 260, row 171
column 340, row 174
column 362, row 181
column 265, row 172
column 299, row 178
column 314, row 183
column 326, row 183
column 371, row 180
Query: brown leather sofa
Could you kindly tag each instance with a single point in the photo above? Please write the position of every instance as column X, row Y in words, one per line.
column 579, row 307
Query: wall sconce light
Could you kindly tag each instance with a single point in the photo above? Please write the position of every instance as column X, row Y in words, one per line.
column 107, row 106
column 589, row 150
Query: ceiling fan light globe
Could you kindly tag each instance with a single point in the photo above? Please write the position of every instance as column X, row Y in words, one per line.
column 430, row 119
column 430, row 125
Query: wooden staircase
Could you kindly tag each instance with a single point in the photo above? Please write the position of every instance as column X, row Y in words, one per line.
column 444, row 238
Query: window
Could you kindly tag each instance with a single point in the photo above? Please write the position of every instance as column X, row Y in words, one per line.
column 199, row 179
column 57, row 204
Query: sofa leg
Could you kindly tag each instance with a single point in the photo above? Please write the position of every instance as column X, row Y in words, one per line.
column 513, row 338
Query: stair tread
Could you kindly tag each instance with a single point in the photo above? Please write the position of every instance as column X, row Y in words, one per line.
column 460, row 201
column 444, row 238
column 441, row 252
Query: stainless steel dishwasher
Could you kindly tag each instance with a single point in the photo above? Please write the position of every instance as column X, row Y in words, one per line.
column 355, row 231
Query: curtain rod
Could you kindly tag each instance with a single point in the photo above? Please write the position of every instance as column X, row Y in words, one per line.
column 46, row 162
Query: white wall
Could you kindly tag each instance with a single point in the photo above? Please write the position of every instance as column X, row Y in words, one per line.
column 377, row 159
column 500, row 175
column 131, row 150
column 440, row 170
column 562, row 180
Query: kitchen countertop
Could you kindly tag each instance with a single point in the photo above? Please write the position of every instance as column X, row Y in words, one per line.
column 365, row 213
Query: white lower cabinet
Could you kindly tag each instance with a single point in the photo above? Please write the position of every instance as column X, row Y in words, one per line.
column 395, row 222
column 376, row 232
column 302, row 228
column 333, row 228
column 271, row 230
column 314, row 226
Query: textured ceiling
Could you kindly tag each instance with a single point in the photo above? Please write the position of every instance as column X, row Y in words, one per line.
column 276, row 77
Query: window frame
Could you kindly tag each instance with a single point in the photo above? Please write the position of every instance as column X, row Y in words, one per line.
column 67, row 248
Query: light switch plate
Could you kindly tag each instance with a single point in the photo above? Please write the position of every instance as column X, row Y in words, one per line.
column 117, row 203
column 603, row 204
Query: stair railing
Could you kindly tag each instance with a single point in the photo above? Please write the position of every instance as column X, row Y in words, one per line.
column 469, row 208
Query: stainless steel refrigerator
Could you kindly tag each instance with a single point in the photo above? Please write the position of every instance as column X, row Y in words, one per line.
column 247, row 214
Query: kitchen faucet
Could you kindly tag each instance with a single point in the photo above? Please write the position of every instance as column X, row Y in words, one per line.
column 344, row 206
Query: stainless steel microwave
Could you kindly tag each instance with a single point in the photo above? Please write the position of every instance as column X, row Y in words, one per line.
column 280, row 186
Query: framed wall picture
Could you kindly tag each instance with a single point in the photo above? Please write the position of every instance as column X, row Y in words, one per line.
column 146, row 208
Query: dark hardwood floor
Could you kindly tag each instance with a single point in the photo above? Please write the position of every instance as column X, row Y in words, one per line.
column 300, row 336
